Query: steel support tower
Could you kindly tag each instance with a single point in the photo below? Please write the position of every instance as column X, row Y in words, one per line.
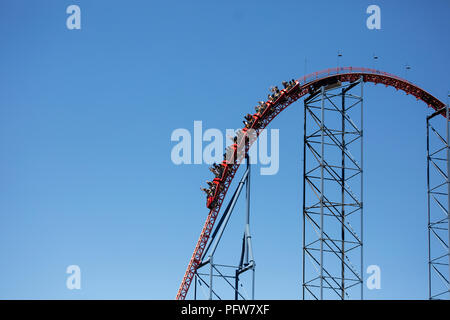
column 438, row 191
column 229, row 275
column 333, row 192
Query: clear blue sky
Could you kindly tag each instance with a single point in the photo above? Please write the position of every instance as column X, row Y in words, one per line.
column 86, row 117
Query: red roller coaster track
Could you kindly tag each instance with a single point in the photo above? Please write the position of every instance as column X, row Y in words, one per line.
column 303, row 86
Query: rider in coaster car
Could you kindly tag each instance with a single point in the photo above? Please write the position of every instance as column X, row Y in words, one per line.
column 207, row 191
column 210, row 191
column 260, row 107
column 241, row 134
column 248, row 121
column 212, row 187
column 230, row 154
column 216, row 169
column 275, row 91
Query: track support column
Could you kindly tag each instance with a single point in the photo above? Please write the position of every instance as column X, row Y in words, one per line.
column 332, row 192
column 438, row 196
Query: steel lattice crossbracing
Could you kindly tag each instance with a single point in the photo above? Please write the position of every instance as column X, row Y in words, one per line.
column 332, row 192
column 438, row 190
column 306, row 85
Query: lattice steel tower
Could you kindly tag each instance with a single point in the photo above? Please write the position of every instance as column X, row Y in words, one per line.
column 333, row 192
column 438, row 191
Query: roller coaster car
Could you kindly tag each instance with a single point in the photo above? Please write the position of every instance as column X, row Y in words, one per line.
column 218, row 181
column 256, row 117
column 281, row 96
column 269, row 105
column 210, row 201
column 292, row 88
column 225, row 170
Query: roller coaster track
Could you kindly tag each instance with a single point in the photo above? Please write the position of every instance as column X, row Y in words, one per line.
column 305, row 85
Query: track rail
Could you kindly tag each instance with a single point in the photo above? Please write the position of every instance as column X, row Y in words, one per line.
column 305, row 85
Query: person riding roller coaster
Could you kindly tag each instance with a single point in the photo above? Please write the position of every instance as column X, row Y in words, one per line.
column 277, row 93
column 209, row 191
column 230, row 155
column 248, row 120
column 287, row 85
column 217, row 169
column 211, row 195
column 260, row 107
column 216, row 186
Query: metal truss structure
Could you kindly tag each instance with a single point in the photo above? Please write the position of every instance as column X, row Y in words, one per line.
column 438, row 190
column 230, row 274
column 332, row 192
